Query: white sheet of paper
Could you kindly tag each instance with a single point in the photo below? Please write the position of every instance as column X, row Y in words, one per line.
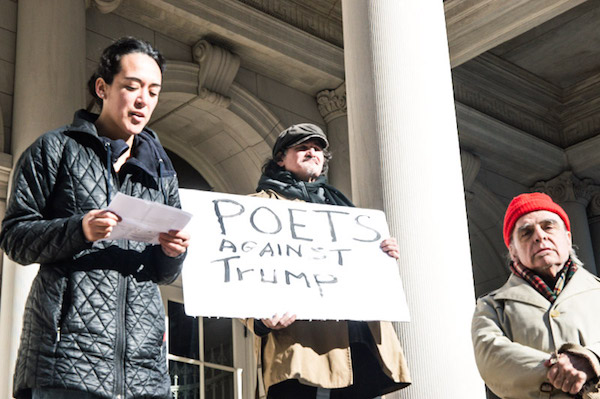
column 143, row 220
column 254, row 257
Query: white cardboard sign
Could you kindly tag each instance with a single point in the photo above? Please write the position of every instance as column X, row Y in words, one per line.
column 256, row 257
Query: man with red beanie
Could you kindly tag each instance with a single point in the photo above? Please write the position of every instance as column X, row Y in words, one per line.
column 538, row 336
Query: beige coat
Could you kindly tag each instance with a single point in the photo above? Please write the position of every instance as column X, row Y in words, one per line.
column 317, row 353
column 515, row 329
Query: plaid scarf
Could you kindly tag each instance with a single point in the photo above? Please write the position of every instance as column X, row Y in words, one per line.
column 540, row 285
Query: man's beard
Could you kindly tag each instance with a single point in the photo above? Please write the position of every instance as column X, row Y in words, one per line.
column 312, row 171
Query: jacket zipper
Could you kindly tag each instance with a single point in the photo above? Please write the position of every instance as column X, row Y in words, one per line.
column 160, row 181
column 66, row 304
column 119, row 388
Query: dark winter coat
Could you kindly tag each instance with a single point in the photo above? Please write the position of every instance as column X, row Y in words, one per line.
column 94, row 318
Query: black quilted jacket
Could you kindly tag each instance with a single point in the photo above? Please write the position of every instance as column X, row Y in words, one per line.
column 94, row 319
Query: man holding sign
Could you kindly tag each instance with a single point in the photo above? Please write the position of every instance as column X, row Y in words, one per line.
column 324, row 359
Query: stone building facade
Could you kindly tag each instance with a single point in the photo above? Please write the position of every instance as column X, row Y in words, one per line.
column 437, row 113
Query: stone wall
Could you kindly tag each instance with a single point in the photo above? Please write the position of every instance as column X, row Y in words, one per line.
column 8, row 38
column 288, row 104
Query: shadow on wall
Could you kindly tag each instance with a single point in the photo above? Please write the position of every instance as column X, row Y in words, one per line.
column 186, row 174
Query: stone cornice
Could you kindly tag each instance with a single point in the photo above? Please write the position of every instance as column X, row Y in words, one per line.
column 585, row 86
column 305, row 15
column 512, row 95
column 264, row 44
column 580, row 117
column 475, row 26
column 583, row 158
column 501, row 70
column 506, row 150
column 520, row 156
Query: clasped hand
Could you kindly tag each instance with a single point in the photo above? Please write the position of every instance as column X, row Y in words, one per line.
column 568, row 372
column 98, row 224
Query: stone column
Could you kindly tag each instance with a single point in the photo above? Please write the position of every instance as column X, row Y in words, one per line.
column 594, row 220
column 405, row 159
column 332, row 106
column 574, row 195
column 49, row 87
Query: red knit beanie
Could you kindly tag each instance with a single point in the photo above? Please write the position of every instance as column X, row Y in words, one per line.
column 526, row 203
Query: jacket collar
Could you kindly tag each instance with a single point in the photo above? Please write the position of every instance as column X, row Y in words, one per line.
column 581, row 281
column 517, row 289
column 147, row 152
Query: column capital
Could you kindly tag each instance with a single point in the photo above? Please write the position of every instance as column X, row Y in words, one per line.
column 218, row 68
column 594, row 207
column 104, row 6
column 567, row 187
column 332, row 103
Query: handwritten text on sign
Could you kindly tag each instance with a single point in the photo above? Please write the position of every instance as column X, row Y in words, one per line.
column 254, row 257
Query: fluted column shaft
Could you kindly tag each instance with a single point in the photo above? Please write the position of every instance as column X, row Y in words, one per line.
column 405, row 160
column 49, row 87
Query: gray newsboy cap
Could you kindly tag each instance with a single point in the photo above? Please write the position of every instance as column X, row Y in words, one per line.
column 297, row 134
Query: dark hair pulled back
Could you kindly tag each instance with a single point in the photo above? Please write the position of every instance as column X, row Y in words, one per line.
column 110, row 61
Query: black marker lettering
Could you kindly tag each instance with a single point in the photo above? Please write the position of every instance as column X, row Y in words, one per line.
column 226, row 265
column 262, row 277
column 226, row 244
column 241, row 273
column 293, row 225
column 319, row 251
column 248, row 246
column 277, row 230
column 330, row 220
column 267, row 249
column 340, row 259
column 220, row 216
column 377, row 235
column 301, row 275
column 332, row 280
column 290, row 249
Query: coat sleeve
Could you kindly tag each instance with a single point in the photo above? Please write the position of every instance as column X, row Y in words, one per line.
column 167, row 268
column 27, row 235
column 256, row 326
column 594, row 348
column 509, row 369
